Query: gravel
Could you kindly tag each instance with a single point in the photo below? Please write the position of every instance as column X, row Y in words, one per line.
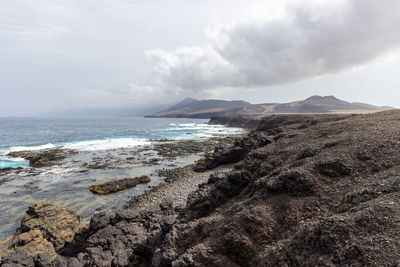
column 179, row 182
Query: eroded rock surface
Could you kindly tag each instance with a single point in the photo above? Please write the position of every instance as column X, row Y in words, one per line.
column 45, row 229
column 118, row 185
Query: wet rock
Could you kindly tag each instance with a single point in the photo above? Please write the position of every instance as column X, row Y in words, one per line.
column 97, row 165
column 5, row 171
column 3, row 180
column 42, row 158
column 118, row 185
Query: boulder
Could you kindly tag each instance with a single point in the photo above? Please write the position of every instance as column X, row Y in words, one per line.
column 45, row 229
column 33, row 243
column 57, row 224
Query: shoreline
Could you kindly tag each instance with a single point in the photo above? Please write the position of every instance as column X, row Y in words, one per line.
column 167, row 154
column 179, row 183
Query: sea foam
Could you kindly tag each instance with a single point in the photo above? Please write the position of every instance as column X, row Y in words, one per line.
column 31, row 148
column 105, row 144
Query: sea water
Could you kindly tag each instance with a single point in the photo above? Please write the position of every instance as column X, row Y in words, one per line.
column 94, row 137
column 21, row 134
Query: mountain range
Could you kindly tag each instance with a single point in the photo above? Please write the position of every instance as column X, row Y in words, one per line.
column 193, row 108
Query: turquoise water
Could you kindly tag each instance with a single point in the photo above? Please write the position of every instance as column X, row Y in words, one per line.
column 89, row 134
column 13, row 164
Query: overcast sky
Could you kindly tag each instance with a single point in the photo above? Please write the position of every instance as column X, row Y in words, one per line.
column 58, row 55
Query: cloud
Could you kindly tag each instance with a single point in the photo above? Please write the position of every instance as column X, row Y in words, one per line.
column 187, row 64
column 281, row 43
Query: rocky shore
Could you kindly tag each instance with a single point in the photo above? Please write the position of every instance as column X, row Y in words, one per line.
column 304, row 190
column 65, row 175
column 179, row 183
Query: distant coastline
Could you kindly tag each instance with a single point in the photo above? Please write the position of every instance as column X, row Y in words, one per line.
column 192, row 108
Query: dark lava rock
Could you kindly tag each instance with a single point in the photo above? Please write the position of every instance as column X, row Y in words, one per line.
column 99, row 220
column 118, row 185
column 241, row 121
column 232, row 154
column 333, row 168
column 17, row 258
column 294, row 183
column 42, row 158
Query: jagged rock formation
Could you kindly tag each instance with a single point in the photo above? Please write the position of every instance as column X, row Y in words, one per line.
column 45, row 229
column 306, row 191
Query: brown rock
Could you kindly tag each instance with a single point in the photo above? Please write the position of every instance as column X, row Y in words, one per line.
column 45, row 229
column 57, row 224
column 33, row 243
column 118, row 185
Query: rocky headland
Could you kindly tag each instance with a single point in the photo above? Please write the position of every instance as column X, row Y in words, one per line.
column 304, row 190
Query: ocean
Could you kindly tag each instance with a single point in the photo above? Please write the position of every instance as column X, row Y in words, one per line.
column 19, row 134
column 116, row 142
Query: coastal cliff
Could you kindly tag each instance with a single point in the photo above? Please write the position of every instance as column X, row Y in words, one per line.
column 305, row 190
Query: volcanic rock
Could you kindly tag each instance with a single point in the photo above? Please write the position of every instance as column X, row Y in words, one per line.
column 57, row 224
column 118, row 185
column 306, row 190
column 45, row 229
column 42, row 158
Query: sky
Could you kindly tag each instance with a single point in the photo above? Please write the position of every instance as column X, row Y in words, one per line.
column 62, row 55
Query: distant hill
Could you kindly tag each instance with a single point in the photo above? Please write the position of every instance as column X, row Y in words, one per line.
column 314, row 104
column 192, row 108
